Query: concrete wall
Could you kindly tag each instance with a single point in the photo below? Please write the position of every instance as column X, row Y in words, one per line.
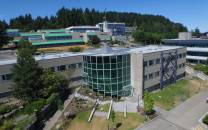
column 137, row 74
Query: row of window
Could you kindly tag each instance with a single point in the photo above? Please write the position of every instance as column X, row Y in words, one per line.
column 106, row 59
column 181, row 65
column 151, row 62
column 6, row 77
column 152, row 75
column 58, row 68
column 65, row 67
column 157, row 61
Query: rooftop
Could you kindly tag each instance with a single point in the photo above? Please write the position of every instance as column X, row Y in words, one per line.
column 153, row 48
column 57, row 42
column 57, row 34
column 87, row 26
column 104, row 51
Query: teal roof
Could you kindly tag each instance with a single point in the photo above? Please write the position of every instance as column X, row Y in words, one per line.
column 57, row 42
column 30, row 34
column 91, row 33
column 53, row 30
column 12, row 30
column 56, row 34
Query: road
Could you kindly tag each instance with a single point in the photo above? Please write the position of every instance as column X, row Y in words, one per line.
column 183, row 117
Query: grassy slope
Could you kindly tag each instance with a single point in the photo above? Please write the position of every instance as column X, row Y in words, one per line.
column 174, row 94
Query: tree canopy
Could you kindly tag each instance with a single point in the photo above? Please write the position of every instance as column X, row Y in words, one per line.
column 72, row 17
column 148, row 103
column 26, row 74
column 4, row 39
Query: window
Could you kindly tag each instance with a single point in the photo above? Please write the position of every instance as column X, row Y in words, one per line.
column 151, row 62
column 73, row 66
column 79, row 65
column 7, row 77
column 145, row 63
column 61, row 68
column 158, row 61
column 150, row 76
column 157, row 74
column 145, row 77
column 52, row 69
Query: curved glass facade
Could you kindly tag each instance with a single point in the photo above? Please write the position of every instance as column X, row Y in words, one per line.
column 109, row 75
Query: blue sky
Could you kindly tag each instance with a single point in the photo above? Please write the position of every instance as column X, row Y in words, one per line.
column 191, row 13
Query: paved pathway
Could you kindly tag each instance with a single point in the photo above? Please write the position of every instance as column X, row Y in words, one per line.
column 101, row 114
column 183, row 117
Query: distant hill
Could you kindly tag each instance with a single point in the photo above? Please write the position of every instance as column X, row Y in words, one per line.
column 71, row 17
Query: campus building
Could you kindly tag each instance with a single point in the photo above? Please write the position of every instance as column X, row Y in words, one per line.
column 52, row 39
column 116, row 29
column 113, row 72
column 83, row 29
column 197, row 48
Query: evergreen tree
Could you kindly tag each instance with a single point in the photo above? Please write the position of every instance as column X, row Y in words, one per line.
column 4, row 39
column 148, row 103
column 26, row 74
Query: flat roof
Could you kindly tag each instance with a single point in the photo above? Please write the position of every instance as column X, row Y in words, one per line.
column 56, row 34
column 52, row 30
column 30, row 34
column 104, row 51
column 57, row 42
column 42, row 57
column 87, row 26
column 196, row 58
column 197, row 49
column 153, row 48
column 195, row 40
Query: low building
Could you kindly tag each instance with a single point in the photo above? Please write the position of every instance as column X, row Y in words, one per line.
column 104, row 37
column 113, row 28
column 83, row 29
column 114, row 72
column 197, row 48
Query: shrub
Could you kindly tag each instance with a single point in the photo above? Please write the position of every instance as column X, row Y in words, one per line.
column 75, row 49
column 34, row 106
column 205, row 120
column 51, row 99
column 5, row 109
column 7, row 125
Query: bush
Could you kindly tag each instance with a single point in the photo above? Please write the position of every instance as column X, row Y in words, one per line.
column 205, row 120
column 7, row 125
column 5, row 109
column 34, row 106
column 51, row 99
column 76, row 49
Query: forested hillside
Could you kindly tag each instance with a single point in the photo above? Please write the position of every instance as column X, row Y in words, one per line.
column 71, row 17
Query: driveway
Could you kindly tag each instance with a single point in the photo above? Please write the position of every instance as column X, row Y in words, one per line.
column 185, row 116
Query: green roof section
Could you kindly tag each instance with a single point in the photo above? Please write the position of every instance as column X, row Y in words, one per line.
column 30, row 34
column 57, row 42
column 91, row 33
column 52, row 30
column 57, row 34
column 12, row 30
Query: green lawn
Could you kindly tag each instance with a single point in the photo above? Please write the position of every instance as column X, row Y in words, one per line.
column 177, row 93
column 100, row 123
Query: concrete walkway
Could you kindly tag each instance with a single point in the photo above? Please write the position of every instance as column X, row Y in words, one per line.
column 184, row 117
column 101, row 114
